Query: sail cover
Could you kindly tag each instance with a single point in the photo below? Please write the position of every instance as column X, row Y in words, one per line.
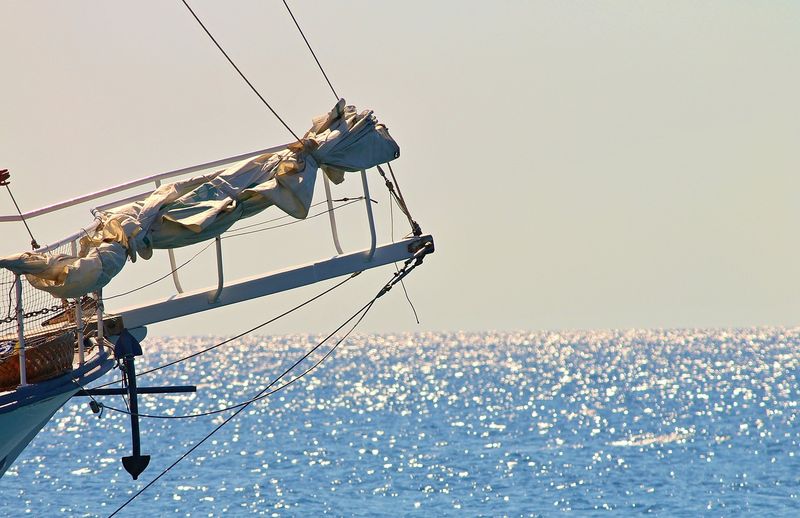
column 194, row 210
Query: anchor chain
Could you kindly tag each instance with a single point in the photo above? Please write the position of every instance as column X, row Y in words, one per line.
column 43, row 311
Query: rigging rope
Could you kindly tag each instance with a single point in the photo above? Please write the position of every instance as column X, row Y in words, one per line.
column 229, row 340
column 253, row 88
column 263, row 395
column 348, row 201
column 310, row 49
column 398, row 198
column 408, row 266
column 236, row 234
column 402, row 284
column 5, row 181
column 143, row 286
column 215, row 430
column 340, row 200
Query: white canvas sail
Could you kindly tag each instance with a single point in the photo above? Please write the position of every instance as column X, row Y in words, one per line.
column 194, row 210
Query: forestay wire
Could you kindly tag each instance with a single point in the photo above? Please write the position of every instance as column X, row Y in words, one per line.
column 313, row 54
column 402, row 284
column 358, row 316
column 264, row 392
column 5, row 181
column 253, row 88
column 247, row 332
column 397, row 195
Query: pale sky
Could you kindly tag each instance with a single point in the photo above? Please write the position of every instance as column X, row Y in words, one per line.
column 580, row 164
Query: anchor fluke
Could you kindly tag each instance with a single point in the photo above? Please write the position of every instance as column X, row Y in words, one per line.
column 135, row 464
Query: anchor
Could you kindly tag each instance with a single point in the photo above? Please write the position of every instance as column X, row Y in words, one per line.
column 125, row 350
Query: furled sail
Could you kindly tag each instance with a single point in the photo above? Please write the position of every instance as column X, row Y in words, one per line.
column 194, row 210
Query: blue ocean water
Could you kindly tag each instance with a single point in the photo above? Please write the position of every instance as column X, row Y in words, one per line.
column 673, row 423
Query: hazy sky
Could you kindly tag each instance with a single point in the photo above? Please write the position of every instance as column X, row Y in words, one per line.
column 581, row 164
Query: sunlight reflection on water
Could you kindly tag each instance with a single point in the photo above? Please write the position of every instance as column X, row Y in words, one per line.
column 518, row 424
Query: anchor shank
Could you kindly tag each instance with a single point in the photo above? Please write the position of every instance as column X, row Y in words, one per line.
column 130, row 371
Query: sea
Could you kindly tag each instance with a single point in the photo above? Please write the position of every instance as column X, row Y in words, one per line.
column 585, row 423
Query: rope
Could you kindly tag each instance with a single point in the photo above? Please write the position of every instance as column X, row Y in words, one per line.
column 402, row 203
column 340, row 200
column 143, row 286
column 262, row 394
column 253, row 88
column 229, row 340
column 402, row 284
column 235, row 234
column 310, row 49
column 398, row 198
column 409, row 265
column 4, row 181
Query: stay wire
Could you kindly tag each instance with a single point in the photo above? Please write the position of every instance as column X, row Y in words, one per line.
column 227, row 341
column 404, row 206
column 311, row 50
column 245, row 405
column 143, row 286
column 402, row 284
column 396, row 184
column 398, row 198
column 408, row 266
column 253, row 88
column 340, row 200
column 235, row 233
column 5, row 182
column 263, row 395
column 245, row 233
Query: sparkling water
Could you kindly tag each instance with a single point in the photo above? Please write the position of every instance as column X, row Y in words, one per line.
column 674, row 423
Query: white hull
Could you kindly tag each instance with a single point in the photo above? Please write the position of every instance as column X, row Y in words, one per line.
column 25, row 411
column 21, row 425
